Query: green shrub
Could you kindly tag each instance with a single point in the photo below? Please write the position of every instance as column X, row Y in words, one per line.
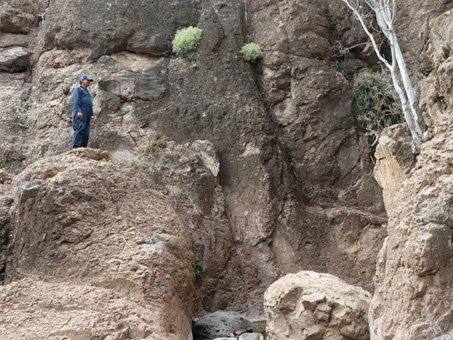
column 375, row 102
column 199, row 268
column 186, row 39
column 251, row 52
column 157, row 144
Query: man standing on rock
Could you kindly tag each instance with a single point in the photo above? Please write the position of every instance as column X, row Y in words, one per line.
column 82, row 113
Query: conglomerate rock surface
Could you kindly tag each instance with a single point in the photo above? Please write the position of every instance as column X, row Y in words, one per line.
column 96, row 252
column 310, row 305
column 281, row 181
column 294, row 187
column 414, row 282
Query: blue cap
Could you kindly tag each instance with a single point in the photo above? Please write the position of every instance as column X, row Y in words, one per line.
column 85, row 77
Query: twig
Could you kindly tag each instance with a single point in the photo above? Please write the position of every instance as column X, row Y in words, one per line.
column 127, row 243
column 343, row 50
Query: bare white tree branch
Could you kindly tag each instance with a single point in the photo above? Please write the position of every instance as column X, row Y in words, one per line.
column 365, row 28
column 385, row 11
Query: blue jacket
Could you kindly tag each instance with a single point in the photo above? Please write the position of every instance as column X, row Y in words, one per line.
column 82, row 102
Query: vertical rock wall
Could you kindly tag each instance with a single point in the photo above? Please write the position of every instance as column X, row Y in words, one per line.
column 295, row 179
column 414, row 286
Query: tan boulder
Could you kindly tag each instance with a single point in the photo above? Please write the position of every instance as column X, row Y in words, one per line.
column 314, row 306
column 96, row 252
column 33, row 309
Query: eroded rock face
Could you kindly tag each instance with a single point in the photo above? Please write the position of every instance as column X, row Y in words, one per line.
column 394, row 160
column 413, row 280
column 144, row 27
column 294, row 187
column 35, row 309
column 305, row 94
column 309, row 305
column 15, row 22
column 80, row 249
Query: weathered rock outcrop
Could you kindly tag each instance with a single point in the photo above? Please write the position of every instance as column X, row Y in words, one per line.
column 96, row 251
column 295, row 187
column 35, row 309
column 145, row 27
column 281, row 182
column 309, row 305
column 413, row 281
column 13, row 20
column 414, row 273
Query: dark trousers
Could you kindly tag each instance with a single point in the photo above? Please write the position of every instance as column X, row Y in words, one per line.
column 81, row 131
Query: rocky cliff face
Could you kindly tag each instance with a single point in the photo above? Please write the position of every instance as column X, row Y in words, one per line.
column 265, row 171
column 294, row 187
column 413, row 279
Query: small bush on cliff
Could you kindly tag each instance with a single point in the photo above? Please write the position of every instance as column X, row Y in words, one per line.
column 157, row 144
column 375, row 103
column 199, row 268
column 24, row 115
column 186, row 39
column 445, row 52
column 251, row 52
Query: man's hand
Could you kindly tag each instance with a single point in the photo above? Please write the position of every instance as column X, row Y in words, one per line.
column 92, row 121
column 80, row 115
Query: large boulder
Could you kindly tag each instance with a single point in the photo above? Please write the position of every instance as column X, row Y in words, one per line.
column 14, row 59
column 34, row 309
column 221, row 324
column 95, row 251
column 314, row 306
